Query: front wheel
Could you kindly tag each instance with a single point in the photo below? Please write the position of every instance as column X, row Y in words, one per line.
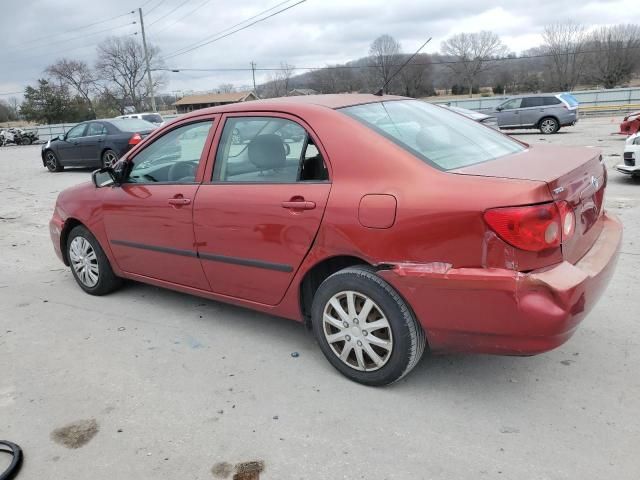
column 25, row 141
column 89, row 264
column 549, row 125
column 364, row 328
column 52, row 162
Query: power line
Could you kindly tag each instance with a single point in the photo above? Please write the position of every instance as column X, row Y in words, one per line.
column 48, row 37
column 153, row 8
column 200, row 5
column 66, row 40
column 218, row 35
column 168, row 13
column 356, row 67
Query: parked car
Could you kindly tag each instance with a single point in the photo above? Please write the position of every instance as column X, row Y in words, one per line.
column 546, row 112
column 97, row 143
column 483, row 118
column 631, row 156
column 381, row 230
column 150, row 117
column 630, row 125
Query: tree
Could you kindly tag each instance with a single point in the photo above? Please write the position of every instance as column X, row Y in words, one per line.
column 564, row 43
column 384, row 56
column 50, row 103
column 121, row 65
column 412, row 77
column 473, row 53
column 279, row 83
column 75, row 75
column 226, row 88
column 613, row 54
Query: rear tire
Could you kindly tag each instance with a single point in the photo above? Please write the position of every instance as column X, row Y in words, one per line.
column 89, row 264
column 549, row 125
column 51, row 161
column 109, row 158
column 364, row 328
column 25, row 141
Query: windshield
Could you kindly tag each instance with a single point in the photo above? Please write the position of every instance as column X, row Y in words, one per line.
column 132, row 125
column 152, row 117
column 435, row 135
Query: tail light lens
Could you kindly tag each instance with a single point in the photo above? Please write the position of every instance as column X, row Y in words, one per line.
column 135, row 139
column 533, row 227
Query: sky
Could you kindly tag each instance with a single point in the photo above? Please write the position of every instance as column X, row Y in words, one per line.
column 313, row 33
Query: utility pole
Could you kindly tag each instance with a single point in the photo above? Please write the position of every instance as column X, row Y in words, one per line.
column 253, row 72
column 146, row 59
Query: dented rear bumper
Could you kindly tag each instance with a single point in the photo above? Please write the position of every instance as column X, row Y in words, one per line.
column 501, row 311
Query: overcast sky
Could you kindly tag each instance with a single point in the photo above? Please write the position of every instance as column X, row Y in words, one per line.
column 313, row 33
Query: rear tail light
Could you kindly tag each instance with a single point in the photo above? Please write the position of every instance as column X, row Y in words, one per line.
column 534, row 227
column 135, row 139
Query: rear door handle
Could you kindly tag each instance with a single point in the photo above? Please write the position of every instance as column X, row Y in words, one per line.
column 299, row 205
column 178, row 201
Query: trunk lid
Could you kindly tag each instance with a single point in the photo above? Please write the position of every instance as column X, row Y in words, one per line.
column 573, row 174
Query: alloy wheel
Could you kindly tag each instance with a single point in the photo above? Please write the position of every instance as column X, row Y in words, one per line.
column 84, row 261
column 51, row 160
column 109, row 158
column 357, row 331
column 548, row 126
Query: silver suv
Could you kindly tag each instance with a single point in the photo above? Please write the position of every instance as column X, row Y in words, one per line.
column 545, row 112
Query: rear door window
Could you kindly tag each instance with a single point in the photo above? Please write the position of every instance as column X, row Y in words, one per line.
column 95, row 129
column 532, row 102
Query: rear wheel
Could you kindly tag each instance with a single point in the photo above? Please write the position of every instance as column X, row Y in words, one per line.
column 25, row 141
column 52, row 162
column 109, row 158
column 549, row 125
column 89, row 264
column 364, row 328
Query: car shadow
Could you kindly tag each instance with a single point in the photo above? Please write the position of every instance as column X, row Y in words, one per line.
column 622, row 178
column 534, row 132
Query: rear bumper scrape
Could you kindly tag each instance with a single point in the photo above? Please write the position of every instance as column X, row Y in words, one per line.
column 502, row 311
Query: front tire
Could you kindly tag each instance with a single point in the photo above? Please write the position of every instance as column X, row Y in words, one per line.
column 51, row 161
column 25, row 141
column 549, row 125
column 364, row 328
column 89, row 264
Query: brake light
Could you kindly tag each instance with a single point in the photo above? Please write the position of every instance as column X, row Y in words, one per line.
column 534, row 227
column 135, row 139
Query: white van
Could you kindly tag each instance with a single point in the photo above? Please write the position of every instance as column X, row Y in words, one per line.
column 154, row 118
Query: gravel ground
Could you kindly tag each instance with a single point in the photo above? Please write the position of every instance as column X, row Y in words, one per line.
column 151, row 384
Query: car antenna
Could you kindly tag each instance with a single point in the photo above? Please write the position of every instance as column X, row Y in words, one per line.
column 380, row 92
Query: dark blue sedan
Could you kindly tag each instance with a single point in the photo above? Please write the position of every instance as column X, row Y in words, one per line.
column 97, row 143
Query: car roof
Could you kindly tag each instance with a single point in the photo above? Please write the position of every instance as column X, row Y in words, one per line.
column 330, row 101
column 534, row 95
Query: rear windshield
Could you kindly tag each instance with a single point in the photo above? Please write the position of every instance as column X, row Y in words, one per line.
column 570, row 99
column 132, row 125
column 152, row 117
column 435, row 135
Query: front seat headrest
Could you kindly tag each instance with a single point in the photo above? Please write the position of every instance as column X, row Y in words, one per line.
column 267, row 151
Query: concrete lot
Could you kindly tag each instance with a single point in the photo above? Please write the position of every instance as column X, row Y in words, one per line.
column 178, row 384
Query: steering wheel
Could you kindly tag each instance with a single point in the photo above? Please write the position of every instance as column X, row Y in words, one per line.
column 182, row 171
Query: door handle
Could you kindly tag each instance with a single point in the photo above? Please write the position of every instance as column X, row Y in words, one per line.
column 299, row 205
column 179, row 201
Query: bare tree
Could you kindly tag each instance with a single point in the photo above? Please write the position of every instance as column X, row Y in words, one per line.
column 76, row 75
column 279, row 83
column 564, row 43
column 121, row 65
column 614, row 54
column 384, row 56
column 226, row 88
column 473, row 53
column 413, row 76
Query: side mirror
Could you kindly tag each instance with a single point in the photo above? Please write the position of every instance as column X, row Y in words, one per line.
column 499, row 108
column 61, row 137
column 104, row 177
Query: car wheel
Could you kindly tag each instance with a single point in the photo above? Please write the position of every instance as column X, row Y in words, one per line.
column 25, row 141
column 549, row 125
column 109, row 158
column 89, row 264
column 52, row 162
column 364, row 328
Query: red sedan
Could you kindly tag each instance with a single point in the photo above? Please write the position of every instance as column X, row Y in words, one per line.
column 387, row 225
